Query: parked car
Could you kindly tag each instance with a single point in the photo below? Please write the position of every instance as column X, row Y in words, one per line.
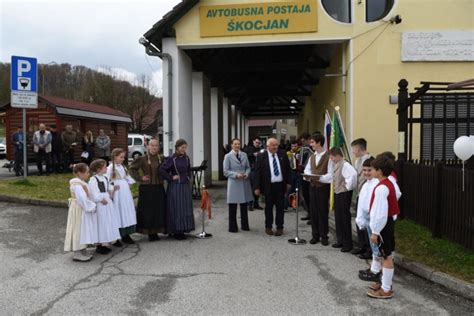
column 3, row 148
column 137, row 145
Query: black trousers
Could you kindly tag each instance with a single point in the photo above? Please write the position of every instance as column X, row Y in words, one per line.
column 342, row 208
column 244, row 219
column 305, row 188
column 277, row 199
column 41, row 156
column 18, row 160
column 56, row 161
column 68, row 158
column 319, row 203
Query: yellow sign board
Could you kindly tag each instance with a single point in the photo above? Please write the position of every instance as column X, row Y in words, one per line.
column 259, row 18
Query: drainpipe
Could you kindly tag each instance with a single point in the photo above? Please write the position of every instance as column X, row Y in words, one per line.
column 152, row 50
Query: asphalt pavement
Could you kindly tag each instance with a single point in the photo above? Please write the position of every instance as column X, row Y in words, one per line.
column 247, row 273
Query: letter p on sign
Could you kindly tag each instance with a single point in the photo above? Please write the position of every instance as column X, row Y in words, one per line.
column 24, row 74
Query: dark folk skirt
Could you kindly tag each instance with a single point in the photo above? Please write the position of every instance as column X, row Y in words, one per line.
column 180, row 208
column 151, row 209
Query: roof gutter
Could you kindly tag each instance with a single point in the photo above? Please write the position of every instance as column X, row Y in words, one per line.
column 152, row 50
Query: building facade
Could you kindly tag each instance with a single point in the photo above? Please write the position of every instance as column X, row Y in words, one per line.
column 235, row 60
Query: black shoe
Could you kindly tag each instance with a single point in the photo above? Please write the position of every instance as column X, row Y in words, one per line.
column 325, row 242
column 314, row 241
column 365, row 255
column 233, row 230
column 308, row 222
column 128, row 240
column 367, row 275
column 306, row 218
column 153, row 237
column 337, row 245
column 180, row 236
column 250, row 208
column 102, row 250
column 257, row 207
column 345, row 249
column 246, row 228
column 117, row 244
column 357, row 251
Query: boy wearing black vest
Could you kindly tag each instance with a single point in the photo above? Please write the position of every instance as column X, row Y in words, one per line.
column 319, row 172
column 383, row 211
column 344, row 182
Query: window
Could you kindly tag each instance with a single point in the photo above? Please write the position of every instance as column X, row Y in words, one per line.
column 340, row 10
column 33, row 124
column 377, row 9
column 138, row 142
column 130, row 141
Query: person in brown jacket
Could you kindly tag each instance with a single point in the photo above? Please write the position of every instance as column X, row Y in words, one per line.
column 319, row 171
column 151, row 209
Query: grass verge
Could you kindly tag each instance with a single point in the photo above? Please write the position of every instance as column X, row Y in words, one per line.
column 49, row 188
column 416, row 243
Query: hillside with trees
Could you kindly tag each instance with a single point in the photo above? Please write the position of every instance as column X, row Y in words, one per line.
column 84, row 84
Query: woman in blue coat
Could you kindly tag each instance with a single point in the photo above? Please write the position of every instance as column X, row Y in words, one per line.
column 239, row 191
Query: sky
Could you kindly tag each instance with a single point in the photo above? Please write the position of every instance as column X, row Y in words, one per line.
column 99, row 34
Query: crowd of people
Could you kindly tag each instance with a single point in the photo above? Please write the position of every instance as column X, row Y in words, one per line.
column 102, row 210
column 309, row 165
column 55, row 151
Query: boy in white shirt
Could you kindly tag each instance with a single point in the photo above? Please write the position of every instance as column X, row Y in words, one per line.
column 344, row 182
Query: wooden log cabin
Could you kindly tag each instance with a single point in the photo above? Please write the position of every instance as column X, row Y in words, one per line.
column 58, row 111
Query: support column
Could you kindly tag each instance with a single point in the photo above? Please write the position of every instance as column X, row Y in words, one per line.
column 239, row 126
column 233, row 122
column 217, row 139
column 177, row 109
column 226, row 120
column 201, row 124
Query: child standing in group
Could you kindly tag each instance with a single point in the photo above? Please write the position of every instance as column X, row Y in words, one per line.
column 101, row 192
column 344, row 182
column 383, row 212
column 363, row 219
column 123, row 199
column 81, row 226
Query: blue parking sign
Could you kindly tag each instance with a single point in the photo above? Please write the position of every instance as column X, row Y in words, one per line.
column 24, row 74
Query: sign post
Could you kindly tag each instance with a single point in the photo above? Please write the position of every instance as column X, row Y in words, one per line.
column 24, row 93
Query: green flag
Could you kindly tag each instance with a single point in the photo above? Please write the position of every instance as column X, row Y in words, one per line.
column 337, row 139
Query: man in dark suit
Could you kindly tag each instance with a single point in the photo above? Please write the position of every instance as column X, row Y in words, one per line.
column 272, row 179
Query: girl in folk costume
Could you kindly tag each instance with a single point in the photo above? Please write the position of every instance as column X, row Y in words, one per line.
column 177, row 171
column 123, row 199
column 81, row 226
column 151, row 209
column 100, row 191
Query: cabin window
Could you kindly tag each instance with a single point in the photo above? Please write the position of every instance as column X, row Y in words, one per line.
column 33, row 124
column 377, row 9
column 339, row 10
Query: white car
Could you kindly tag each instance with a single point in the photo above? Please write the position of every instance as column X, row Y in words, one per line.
column 3, row 148
column 137, row 145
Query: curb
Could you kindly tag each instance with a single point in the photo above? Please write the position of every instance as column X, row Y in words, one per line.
column 37, row 202
column 452, row 284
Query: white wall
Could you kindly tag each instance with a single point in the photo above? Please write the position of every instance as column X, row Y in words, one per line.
column 182, row 122
column 216, row 132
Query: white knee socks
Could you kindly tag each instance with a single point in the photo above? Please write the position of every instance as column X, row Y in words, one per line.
column 376, row 265
column 387, row 276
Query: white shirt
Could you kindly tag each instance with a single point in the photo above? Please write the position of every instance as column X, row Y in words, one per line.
column 363, row 204
column 379, row 210
column 397, row 188
column 275, row 178
column 350, row 175
column 326, row 178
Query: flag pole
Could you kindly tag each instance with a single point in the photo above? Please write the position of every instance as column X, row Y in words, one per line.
column 339, row 118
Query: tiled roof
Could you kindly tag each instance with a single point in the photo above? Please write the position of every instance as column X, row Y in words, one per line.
column 79, row 105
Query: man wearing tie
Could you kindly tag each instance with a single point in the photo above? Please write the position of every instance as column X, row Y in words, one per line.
column 273, row 181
